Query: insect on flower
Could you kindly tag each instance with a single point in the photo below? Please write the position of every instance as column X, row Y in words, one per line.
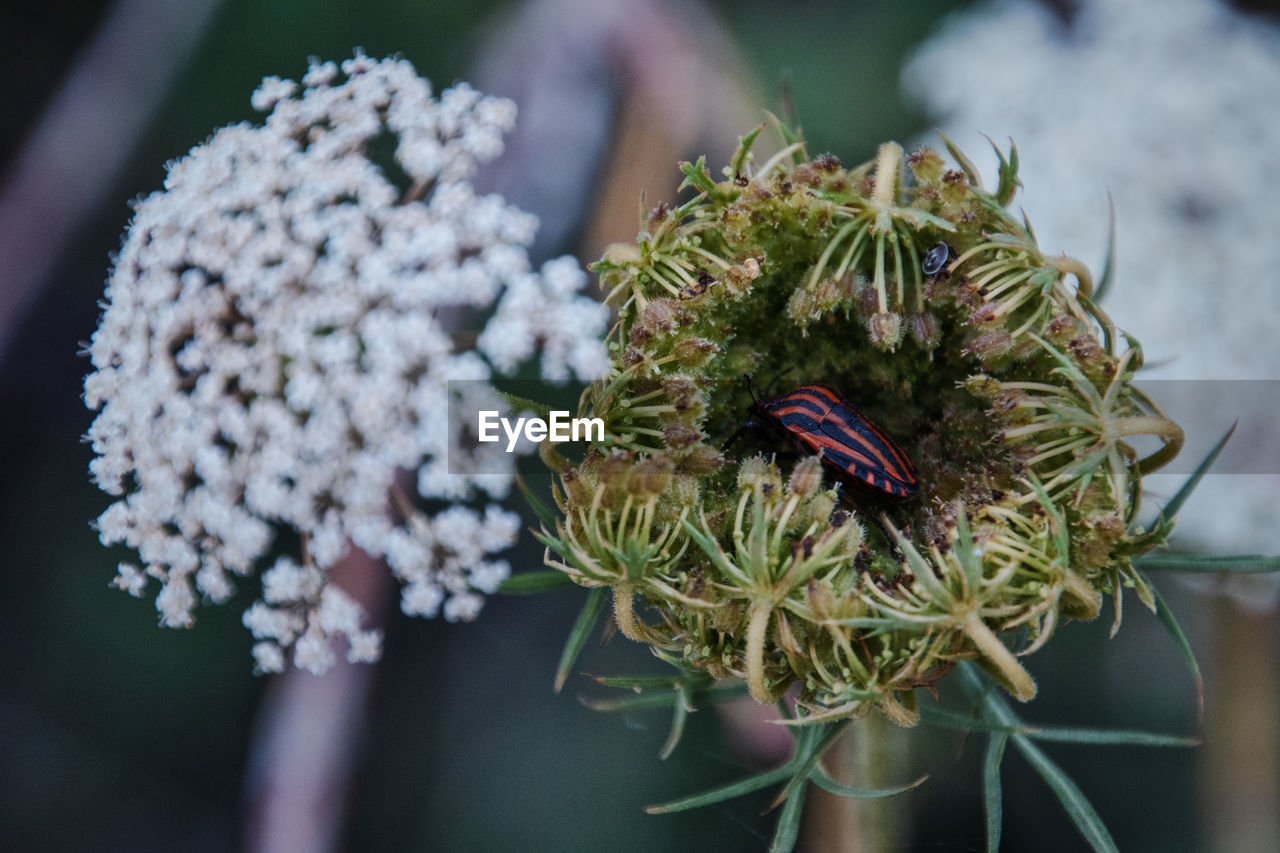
column 935, row 258
column 818, row 420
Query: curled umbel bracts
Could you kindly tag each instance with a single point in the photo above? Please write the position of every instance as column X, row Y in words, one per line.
column 987, row 404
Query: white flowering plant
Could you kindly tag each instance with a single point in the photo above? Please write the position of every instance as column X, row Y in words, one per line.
column 275, row 347
column 917, row 291
column 286, row 320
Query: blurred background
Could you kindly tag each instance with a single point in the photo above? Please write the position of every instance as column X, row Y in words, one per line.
column 118, row 735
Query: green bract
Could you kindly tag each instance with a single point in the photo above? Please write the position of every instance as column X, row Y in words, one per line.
column 1006, row 384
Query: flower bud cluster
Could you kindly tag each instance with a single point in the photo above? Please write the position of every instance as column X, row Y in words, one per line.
column 911, row 289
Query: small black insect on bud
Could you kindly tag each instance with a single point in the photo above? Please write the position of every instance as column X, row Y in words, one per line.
column 935, row 258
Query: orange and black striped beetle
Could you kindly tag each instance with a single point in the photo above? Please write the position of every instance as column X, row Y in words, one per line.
column 817, row 419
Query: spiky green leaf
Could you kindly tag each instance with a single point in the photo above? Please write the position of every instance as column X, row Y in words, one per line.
column 1241, row 564
column 787, row 829
column 824, row 781
column 966, row 165
column 537, row 504
column 524, row 404
column 1165, row 615
column 739, row 161
column 721, row 793
column 993, row 806
column 1103, row 286
column 1164, row 521
column 1073, row 800
column 582, row 628
column 531, row 583
column 697, row 176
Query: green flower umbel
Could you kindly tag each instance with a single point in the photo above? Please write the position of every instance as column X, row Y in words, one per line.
column 930, row 308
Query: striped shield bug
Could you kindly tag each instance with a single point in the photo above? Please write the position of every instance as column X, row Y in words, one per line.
column 818, row 420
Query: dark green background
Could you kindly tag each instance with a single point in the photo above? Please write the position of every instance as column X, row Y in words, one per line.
column 118, row 735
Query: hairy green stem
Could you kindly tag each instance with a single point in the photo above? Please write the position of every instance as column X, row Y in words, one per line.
column 757, row 630
column 1019, row 680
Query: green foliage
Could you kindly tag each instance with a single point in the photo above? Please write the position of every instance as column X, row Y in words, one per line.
column 1010, row 389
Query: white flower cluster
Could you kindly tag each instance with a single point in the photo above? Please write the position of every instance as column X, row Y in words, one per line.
column 1166, row 107
column 271, row 354
column 531, row 309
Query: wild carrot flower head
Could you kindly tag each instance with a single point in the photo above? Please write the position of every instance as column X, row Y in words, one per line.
column 274, row 348
column 915, row 293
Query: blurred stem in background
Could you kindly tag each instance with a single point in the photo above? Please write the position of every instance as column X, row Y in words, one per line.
column 308, row 735
column 98, row 116
column 1240, row 763
column 873, row 753
column 612, row 94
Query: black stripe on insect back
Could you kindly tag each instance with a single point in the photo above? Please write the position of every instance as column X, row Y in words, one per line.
column 797, row 405
column 819, row 419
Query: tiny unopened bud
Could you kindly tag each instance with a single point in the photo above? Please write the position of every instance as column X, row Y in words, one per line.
column 866, row 299
column 827, row 294
column 806, row 175
column 614, row 472
column 819, row 598
column 678, row 436
column 800, row 307
column 984, row 315
column 926, row 164
column 694, row 352
column 738, row 277
column 683, row 392
column 849, row 286
column 622, row 253
column 659, row 315
column 750, row 470
column 678, row 385
column 1085, row 349
column 683, row 490
column 1061, row 329
column 924, row 329
column 759, row 471
column 990, row 344
column 854, row 533
column 827, row 162
column 1109, row 526
column 821, row 506
column 727, row 618
column 886, row 330
column 576, row 488
column 650, row 477
column 806, row 478
column 982, row 386
column 955, row 187
column 702, row 460
column 657, row 216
